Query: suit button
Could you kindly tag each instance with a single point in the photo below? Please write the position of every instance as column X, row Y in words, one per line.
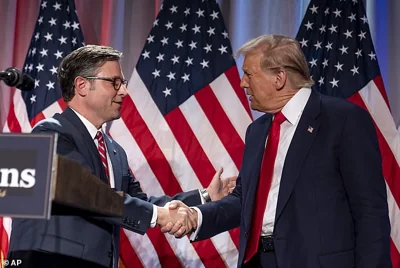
column 124, row 220
column 246, row 234
column 110, row 254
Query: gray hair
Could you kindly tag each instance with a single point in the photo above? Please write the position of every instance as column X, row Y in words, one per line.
column 280, row 53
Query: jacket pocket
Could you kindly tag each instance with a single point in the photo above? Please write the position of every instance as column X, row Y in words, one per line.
column 342, row 259
column 56, row 244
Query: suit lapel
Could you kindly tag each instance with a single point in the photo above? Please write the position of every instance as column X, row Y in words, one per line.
column 257, row 144
column 115, row 161
column 299, row 147
column 92, row 153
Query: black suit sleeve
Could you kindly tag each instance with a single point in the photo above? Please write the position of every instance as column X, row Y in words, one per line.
column 221, row 215
column 138, row 207
column 190, row 198
column 361, row 170
column 134, row 191
column 143, row 210
column 132, row 222
column 224, row 214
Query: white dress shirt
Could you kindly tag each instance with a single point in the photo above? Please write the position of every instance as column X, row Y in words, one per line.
column 93, row 131
column 292, row 112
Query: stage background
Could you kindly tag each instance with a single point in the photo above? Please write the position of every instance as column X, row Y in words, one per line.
column 125, row 25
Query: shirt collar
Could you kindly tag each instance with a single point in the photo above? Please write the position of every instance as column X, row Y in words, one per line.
column 89, row 126
column 295, row 106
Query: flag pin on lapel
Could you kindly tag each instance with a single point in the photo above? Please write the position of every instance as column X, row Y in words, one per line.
column 310, row 129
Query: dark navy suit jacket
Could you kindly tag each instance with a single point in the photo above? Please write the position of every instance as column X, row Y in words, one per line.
column 332, row 209
column 91, row 239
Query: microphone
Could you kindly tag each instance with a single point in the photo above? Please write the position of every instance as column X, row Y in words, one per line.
column 13, row 77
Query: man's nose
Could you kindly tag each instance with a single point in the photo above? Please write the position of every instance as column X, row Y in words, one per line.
column 243, row 83
column 123, row 90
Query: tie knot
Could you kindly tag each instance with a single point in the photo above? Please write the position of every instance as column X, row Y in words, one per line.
column 99, row 136
column 279, row 118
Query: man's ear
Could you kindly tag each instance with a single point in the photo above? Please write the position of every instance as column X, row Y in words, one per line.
column 280, row 79
column 82, row 86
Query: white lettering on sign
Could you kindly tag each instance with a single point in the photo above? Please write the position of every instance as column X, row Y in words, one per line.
column 11, row 177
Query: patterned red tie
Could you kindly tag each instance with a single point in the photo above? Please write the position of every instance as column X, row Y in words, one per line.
column 264, row 185
column 103, row 153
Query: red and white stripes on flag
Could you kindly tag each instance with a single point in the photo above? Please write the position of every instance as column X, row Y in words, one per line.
column 212, row 123
column 179, row 150
column 160, row 150
column 373, row 98
column 336, row 40
column 184, row 118
column 17, row 118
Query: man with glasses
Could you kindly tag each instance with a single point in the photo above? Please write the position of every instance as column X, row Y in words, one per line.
column 94, row 88
column 117, row 82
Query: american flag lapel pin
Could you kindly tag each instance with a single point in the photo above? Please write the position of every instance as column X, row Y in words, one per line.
column 310, row 129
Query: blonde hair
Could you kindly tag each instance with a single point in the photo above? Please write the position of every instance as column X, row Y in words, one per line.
column 280, row 53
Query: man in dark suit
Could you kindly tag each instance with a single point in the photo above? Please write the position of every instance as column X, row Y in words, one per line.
column 94, row 87
column 310, row 192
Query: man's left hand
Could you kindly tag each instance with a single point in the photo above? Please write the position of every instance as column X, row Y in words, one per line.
column 219, row 188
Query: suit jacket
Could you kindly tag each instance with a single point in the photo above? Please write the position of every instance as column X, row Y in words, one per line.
column 88, row 238
column 332, row 209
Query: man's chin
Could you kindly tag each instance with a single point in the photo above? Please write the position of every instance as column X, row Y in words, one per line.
column 254, row 107
column 116, row 115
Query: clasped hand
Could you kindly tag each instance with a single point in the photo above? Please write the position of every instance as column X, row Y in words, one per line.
column 177, row 219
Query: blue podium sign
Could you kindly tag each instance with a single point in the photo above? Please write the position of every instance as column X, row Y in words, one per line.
column 26, row 171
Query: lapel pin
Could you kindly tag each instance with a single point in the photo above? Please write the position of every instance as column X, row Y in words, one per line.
column 310, row 129
column 115, row 151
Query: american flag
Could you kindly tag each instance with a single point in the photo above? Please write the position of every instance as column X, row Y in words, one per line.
column 57, row 32
column 185, row 117
column 336, row 40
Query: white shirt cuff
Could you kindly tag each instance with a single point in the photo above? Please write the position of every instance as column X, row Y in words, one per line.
column 194, row 235
column 203, row 201
column 153, row 221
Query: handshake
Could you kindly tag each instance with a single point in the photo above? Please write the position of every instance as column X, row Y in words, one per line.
column 177, row 219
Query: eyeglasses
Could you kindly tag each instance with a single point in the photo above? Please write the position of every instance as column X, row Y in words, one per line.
column 115, row 81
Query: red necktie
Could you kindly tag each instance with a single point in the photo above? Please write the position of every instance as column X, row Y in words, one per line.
column 103, row 153
column 264, row 185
